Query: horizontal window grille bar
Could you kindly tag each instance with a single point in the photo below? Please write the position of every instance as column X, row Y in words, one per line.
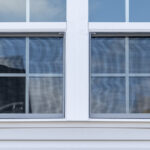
column 121, row 75
column 46, row 75
column 108, row 75
column 32, row 34
column 120, row 34
column 12, row 75
column 140, row 75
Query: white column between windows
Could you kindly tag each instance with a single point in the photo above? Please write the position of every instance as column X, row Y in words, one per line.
column 77, row 61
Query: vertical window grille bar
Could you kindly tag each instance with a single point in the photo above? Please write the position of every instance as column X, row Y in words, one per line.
column 27, row 76
column 27, row 10
column 64, row 80
column 127, row 73
column 127, row 10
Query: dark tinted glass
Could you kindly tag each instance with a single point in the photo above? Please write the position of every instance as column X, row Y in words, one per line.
column 107, row 95
column 140, row 10
column 12, row 10
column 46, row 55
column 12, row 95
column 140, row 95
column 46, row 95
column 106, row 10
column 48, row 10
column 12, row 55
column 139, row 49
column 108, row 55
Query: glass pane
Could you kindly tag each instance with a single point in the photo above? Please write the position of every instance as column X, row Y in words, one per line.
column 140, row 95
column 139, row 55
column 12, row 95
column 107, row 95
column 107, row 10
column 139, row 10
column 12, row 55
column 107, row 55
column 46, row 95
column 48, row 10
column 12, row 10
column 46, row 55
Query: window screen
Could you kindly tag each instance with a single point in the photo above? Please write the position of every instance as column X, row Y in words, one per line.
column 119, row 76
column 31, row 76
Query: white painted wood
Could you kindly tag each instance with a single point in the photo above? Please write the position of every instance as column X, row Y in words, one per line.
column 75, row 134
column 77, row 66
column 33, row 27
column 119, row 27
column 75, row 145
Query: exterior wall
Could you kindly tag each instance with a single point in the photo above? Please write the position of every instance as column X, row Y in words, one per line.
column 93, row 135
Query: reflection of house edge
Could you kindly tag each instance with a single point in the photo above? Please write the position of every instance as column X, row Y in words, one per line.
column 12, row 62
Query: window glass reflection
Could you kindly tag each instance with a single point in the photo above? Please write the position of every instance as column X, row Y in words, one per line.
column 108, row 55
column 139, row 10
column 48, row 10
column 12, row 95
column 46, row 55
column 139, row 49
column 46, row 95
column 12, row 55
column 140, row 95
column 12, row 10
column 106, row 10
column 107, row 95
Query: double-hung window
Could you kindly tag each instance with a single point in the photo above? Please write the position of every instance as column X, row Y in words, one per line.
column 119, row 59
column 32, row 56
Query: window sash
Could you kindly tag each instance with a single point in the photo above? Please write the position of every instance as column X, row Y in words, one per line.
column 27, row 75
column 126, row 75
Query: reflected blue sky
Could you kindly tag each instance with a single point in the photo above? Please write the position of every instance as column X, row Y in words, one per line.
column 107, row 55
column 12, row 10
column 139, row 50
column 46, row 55
column 106, row 10
column 140, row 10
column 48, row 10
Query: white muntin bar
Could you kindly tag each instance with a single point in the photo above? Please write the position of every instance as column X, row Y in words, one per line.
column 127, row 72
column 27, row 10
column 108, row 75
column 27, row 77
column 127, row 10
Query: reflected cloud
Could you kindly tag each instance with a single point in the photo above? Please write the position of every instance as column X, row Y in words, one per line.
column 48, row 10
column 12, row 10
